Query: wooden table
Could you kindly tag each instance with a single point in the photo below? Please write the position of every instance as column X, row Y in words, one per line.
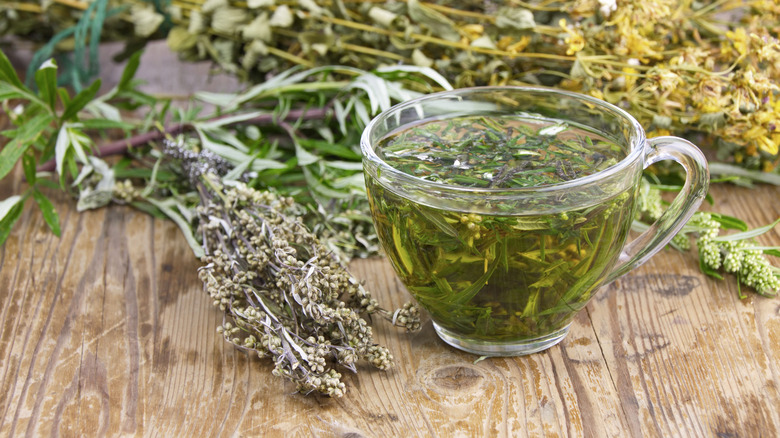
column 107, row 331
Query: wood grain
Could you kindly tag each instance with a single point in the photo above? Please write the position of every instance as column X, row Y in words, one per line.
column 106, row 331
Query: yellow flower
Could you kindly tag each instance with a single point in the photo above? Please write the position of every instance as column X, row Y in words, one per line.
column 739, row 39
column 575, row 40
column 767, row 144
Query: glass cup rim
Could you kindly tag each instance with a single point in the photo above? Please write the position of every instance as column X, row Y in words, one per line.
column 636, row 146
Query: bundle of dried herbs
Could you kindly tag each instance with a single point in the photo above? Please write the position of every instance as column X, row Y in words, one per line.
column 706, row 66
column 284, row 294
column 244, row 186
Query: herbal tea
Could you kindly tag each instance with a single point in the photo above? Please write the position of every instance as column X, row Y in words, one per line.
column 498, row 152
column 505, row 277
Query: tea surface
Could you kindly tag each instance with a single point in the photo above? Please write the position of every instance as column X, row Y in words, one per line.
column 498, row 152
column 510, row 276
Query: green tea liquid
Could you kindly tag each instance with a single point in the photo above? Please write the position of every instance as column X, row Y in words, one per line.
column 508, row 276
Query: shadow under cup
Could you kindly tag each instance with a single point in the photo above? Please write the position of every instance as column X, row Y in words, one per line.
column 502, row 271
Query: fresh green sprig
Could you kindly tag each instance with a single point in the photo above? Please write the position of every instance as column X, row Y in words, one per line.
column 736, row 253
column 50, row 124
column 297, row 133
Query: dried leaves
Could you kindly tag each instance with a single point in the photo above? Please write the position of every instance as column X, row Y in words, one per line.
column 284, row 294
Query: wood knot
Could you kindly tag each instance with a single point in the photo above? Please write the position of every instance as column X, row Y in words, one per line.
column 456, row 377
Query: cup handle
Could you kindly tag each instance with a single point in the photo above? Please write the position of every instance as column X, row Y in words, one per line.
column 697, row 180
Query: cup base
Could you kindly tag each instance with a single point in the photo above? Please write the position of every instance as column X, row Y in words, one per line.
column 513, row 348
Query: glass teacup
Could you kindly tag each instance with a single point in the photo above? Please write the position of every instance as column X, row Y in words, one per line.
column 503, row 209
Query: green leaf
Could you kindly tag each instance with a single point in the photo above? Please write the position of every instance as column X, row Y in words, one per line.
column 28, row 164
column 61, row 148
column 768, row 250
column 327, row 148
column 9, row 219
column 125, row 82
column 46, row 80
column 25, row 136
column 752, row 175
column 747, row 234
column 80, row 101
column 709, row 271
column 8, row 73
column 230, row 120
column 64, row 96
column 149, row 209
column 434, row 20
column 7, row 91
column 49, row 213
column 729, row 222
column 7, row 204
column 101, row 124
column 425, row 71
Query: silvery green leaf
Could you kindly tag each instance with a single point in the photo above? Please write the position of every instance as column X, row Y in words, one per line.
column 254, row 4
column 227, row 20
column 186, row 213
column 511, row 17
column 399, row 93
column 79, row 141
column 341, row 115
column 227, row 137
column 103, row 192
column 425, row 71
column 231, row 154
column 210, row 6
column 713, row 121
column 312, row 6
column 362, row 112
column 179, row 39
column 184, row 226
column 236, row 172
column 261, row 164
column 86, row 170
column 437, row 22
column 319, row 189
column 225, row 100
column 747, row 234
column 61, row 148
column 152, row 179
column 381, row 16
column 7, row 204
column 484, row 42
column 355, row 181
column 91, row 199
column 419, row 59
column 223, row 121
column 345, row 165
column 305, row 157
column 258, row 29
column 146, row 20
column 326, row 133
column 725, row 169
column 661, row 122
column 282, row 17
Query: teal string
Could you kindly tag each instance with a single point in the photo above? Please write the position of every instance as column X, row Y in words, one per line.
column 83, row 65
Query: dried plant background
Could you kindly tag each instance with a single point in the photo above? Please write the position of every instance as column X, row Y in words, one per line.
column 282, row 156
column 678, row 66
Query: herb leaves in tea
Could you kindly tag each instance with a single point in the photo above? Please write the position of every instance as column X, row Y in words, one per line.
column 498, row 152
column 499, row 277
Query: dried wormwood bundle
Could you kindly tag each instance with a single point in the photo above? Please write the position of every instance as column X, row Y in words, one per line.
column 285, row 293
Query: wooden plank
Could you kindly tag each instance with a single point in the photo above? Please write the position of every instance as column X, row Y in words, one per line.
column 107, row 331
